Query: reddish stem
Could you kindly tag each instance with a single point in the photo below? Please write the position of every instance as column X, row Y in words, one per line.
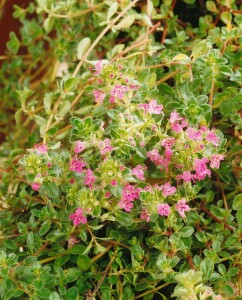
column 215, row 218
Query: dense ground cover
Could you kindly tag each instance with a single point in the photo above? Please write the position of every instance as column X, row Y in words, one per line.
column 121, row 153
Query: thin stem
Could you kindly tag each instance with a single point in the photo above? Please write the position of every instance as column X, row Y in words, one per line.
column 170, row 75
column 74, row 15
column 101, row 35
column 105, row 273
column 95, row 258
column 137, row 43
column 48, row 259
column 215, row 218
column 48, row 125
column 210, row 101
column 157, row 66
column 152, row 291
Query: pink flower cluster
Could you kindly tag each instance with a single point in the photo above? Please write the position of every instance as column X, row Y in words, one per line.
column 98, row 67
column 35, row 186
column 89, row 178
column 177, row 123
column 181, row 207
column 152, row 107
column 79, row 147
column 105, row 146
column 76, row 165
column 99, row 96
column 78, row 217
column 160, row 160
column 129, row 194
column 118, row 92
column 198, row 135
column 138, row 171
column 167, row 189
column 41, row 149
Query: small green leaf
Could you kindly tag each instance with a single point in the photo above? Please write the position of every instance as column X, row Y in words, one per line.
column 72, row 294
column 112, row 10
column 186, row 231
column 226, row 17
column 83, row 262
column 124, row 218
column 23, row 95
column 126, row 22
column 237, row 204
column 30, row 241
column 207, row 266
column 13, row 44
column 64, row 108
column 211, row 6
column 48, row 100
column 45, row 227
column 70, row 84
column 49, row 24
column 54, row 296
column 228, row 290
column 83, row 46
column 51, row 190
column 16, row 152
column 239, row 217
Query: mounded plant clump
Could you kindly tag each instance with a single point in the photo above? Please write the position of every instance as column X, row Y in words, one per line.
column 121, row 171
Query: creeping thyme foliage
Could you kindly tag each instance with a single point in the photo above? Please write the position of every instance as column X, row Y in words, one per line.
column 121, row 168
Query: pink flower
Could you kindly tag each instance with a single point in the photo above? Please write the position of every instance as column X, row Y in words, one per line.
column 168, row 142
column 153, row 108
column 133, row 86
column 118, row 91
column 105, row 146
column 177, row 122
column 79, row 147
column 201, row 168
column 181, row 207
column 147, row 189
column 113, row 182
column 168, row 189
column 99, row 96
column 72, row 242
column 144, row 106
column 89, row 178
column 78, row 217
column 41, row 149
column 176, row 127
column 212, row 138
column 108, row 194
column 174, row 117
column 98, row 67
column 138, row 171
column 72, row 180
column 77, row 165
column 215, row 161
column 144, row 215
column 154, row 155
column 193, row 134
column 36, row 186
column 168, row 153
column 164, row 163
column 203, row 128
column 129, row 194
column 186, row 176
column 163, row 209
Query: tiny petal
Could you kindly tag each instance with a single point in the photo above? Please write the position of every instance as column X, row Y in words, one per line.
column 36, row 186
